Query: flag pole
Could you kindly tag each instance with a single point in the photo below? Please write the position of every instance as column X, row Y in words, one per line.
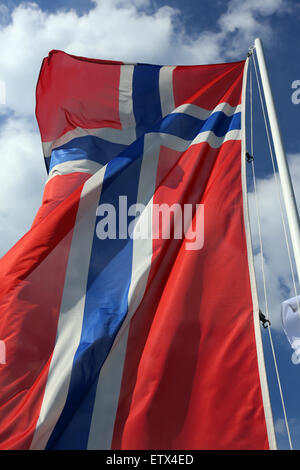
column 283, row 169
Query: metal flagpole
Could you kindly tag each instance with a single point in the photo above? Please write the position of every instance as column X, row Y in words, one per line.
column 285, row 177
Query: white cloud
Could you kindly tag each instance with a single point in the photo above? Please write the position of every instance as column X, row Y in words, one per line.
column 115, row 30
column 246, row 20
column 280, row 426
column 282, row 435
column 4, row 14
column 21, row 188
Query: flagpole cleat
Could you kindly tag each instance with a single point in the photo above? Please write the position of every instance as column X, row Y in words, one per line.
column 265, row 322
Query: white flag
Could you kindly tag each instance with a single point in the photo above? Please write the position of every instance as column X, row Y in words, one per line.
column 290, row 316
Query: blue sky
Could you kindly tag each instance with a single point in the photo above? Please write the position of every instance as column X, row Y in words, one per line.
column 170, row 32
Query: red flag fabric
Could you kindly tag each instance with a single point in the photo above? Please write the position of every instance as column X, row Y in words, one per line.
column 129, row 315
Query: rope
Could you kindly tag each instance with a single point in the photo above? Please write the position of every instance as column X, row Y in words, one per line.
column 278, row 187
column 261, row 244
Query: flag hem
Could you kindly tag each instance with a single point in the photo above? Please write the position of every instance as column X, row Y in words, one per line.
column 254, row 294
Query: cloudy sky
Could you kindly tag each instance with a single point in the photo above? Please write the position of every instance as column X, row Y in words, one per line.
column 160, row 32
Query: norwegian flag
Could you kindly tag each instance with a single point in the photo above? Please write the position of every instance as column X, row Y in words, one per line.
column 130, row 342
